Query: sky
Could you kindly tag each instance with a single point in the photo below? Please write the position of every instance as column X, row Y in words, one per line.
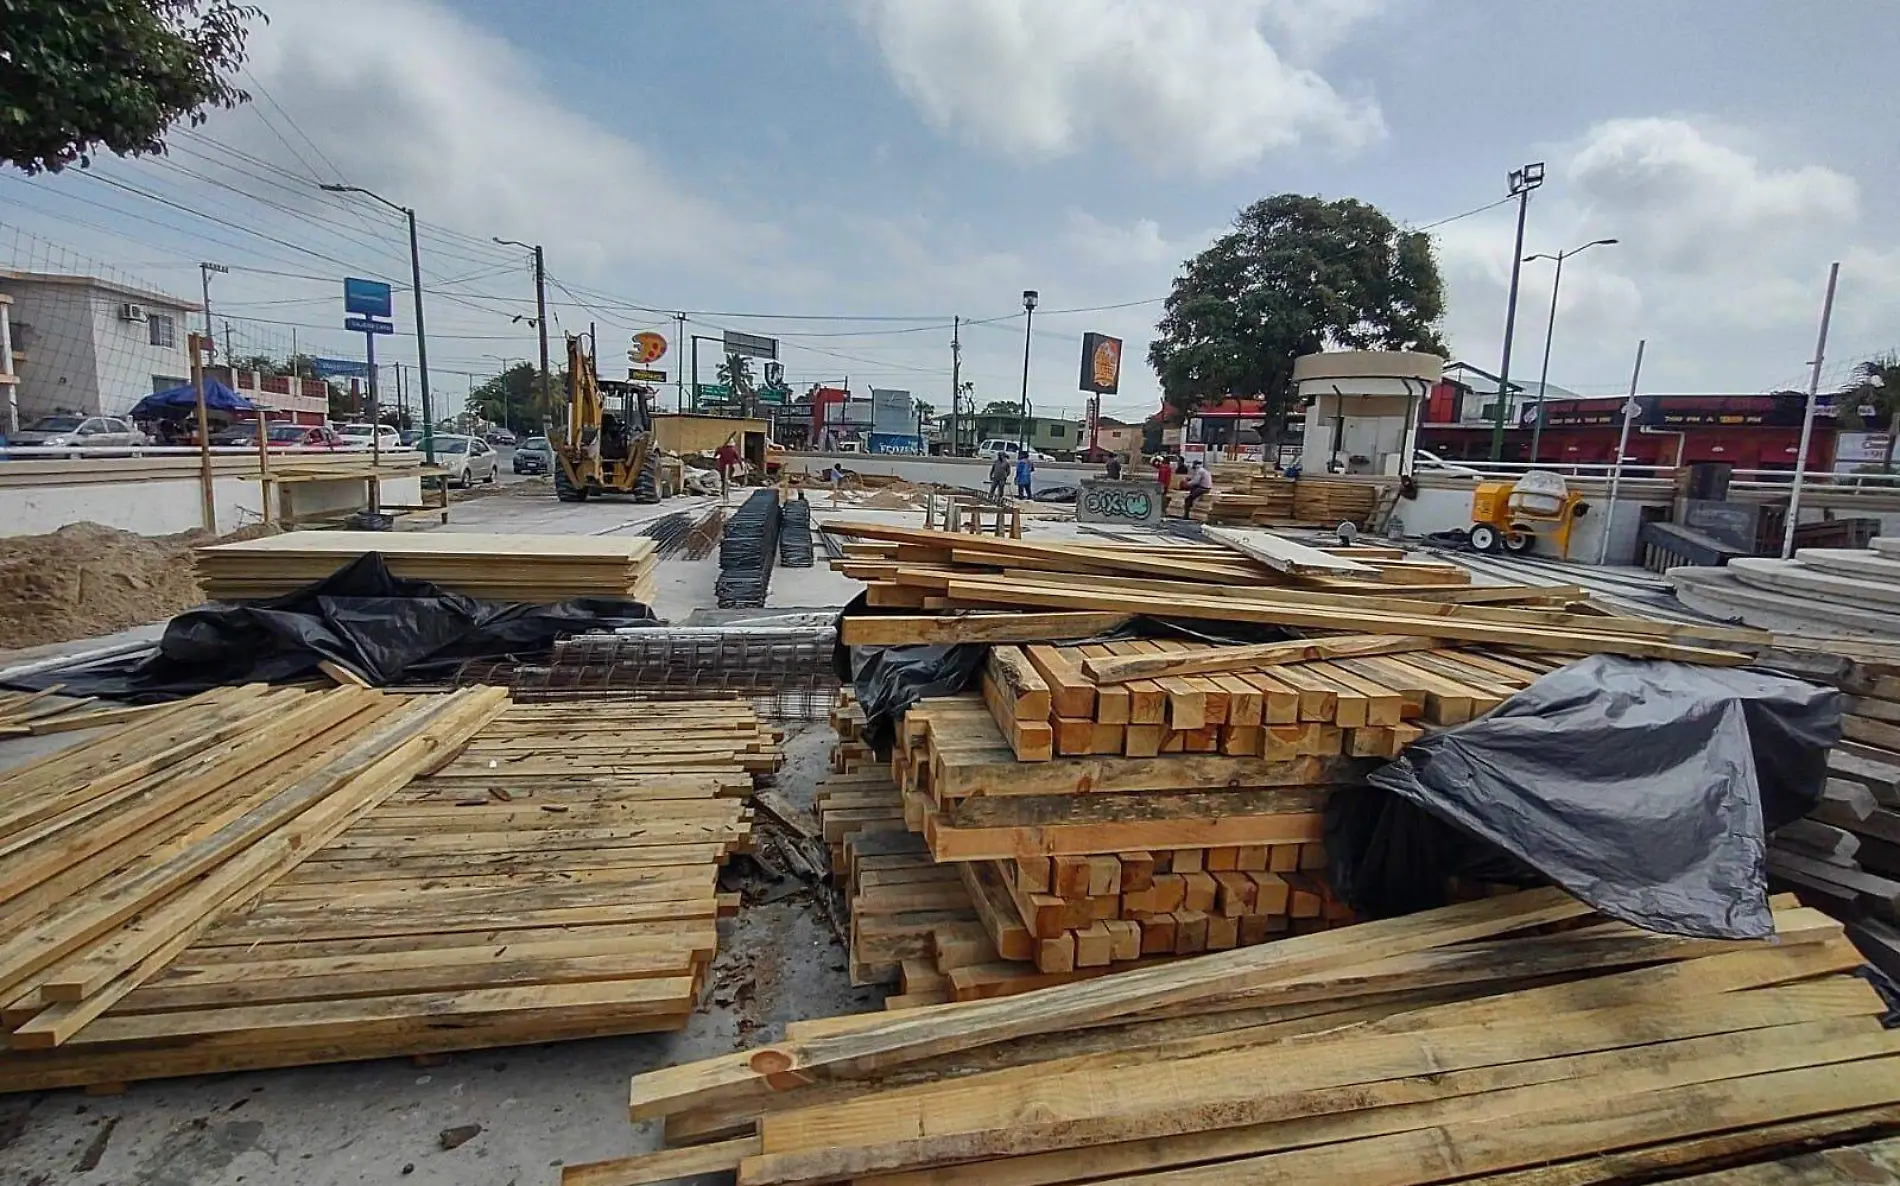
column 849, row 175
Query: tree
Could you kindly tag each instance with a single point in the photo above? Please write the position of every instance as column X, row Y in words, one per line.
column 509, row 396
column 261, row 363
column 1875, row 385
column 1002, row 407
column 1296, row 275
column 116, row 74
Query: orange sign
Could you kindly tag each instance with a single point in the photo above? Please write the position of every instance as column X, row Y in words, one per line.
column 1101, row 363
column 647, row 347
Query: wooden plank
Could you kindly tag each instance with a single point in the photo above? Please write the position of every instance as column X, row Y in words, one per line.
column 1245, row 658
column 1071, row 693
column 905, row 1039
column 663, row 1166
column 939, row 629
column 1288, row 556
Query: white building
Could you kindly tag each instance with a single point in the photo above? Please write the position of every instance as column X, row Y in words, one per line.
column 93, row 346
column 1362, row 408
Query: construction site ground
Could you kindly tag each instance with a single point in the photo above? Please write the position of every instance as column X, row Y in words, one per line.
column 534, row 1107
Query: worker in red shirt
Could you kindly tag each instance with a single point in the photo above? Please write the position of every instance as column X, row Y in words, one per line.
column 1164, row 473
column 724, row 458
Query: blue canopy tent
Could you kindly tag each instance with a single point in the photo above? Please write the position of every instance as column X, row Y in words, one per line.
column 176, row 401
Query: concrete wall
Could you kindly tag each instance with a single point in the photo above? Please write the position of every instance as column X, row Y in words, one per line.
column 969, row 473
column 130, row 367
column 52, row 327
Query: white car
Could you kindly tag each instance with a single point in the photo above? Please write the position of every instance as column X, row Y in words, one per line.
column 996, row 447
column 68, row 429
column 356, row 436
column 1424, row 460
column 466, row 459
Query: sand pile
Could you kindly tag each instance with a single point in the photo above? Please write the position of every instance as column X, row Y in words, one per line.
column 85, row 579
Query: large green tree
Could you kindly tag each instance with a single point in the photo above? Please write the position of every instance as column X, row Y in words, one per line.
column 78, row 75
column 1874, row 385
column 510, row 397
column 1296, row 275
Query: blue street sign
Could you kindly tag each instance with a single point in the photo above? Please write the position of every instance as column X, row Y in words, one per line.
column 368, row 325
column 368, row 297
column 340, row 368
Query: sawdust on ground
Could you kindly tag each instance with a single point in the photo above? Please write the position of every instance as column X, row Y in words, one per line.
column 86, row 579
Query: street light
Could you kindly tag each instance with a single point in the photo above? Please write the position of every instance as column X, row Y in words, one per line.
column 540, row 309
column 422, row 338
column 1522, row 182
column 1543, row 378
column 1029, row 318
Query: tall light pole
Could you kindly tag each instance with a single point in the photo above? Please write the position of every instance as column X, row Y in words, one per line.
column 1543, row 378
column 540, row 311
column 1522, row 182
column 1029, row 324
column 422, row 337
column 204, row 275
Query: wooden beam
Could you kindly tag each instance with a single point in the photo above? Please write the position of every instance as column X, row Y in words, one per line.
column 888, row 630
column 1246, row 658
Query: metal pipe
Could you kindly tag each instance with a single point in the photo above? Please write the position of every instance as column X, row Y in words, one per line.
column 1807, row 415
column 1622, row 443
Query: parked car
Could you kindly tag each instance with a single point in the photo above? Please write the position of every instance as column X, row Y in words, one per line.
column 534, row 456
column 466, row 459
column 305, row 436
column 73, row 429
column 1424, row 460
column 358, row 436
column 500, row 436
column 996, row 447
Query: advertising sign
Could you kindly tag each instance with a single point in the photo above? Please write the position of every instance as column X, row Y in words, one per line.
column 750, row 344
column 369, row 298
column 892, row 412
column 1101, row 363
column 642, row 375
column 647, row 347
column 1859, row 451
column 896, row 442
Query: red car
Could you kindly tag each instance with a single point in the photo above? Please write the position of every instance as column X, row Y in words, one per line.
column 305, row 436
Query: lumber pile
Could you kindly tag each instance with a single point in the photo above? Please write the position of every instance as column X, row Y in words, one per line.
column 1845, row 856
column 1845, row 593
column 985, row 573
column 494, row 567
column 258, row 878
column 1471, row 1043
column 32, row 714
column 1362, row 695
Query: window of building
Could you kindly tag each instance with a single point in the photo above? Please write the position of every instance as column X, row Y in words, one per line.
column 166, row 383
column 164, row 330
column 1057, row 431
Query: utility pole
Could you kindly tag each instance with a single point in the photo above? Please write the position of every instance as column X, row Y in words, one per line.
column 422, row 336
column 1807, row 415
column 1550, row 331
column 1029, row 322
column 956, row 381
column 679, row 372
column 1622, row 445
column 208, row 501
column 540, row 310
column 1522, row 182
column 204, row 276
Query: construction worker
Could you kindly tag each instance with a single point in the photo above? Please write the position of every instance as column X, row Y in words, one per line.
column 1114, row 467
column 1164, row 473
column 1025, row 470
column 999, row 474
column 1199, row 484
column 724, row 458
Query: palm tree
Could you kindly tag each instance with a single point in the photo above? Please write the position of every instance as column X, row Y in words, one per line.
column 1875, row 385
column 736, row 374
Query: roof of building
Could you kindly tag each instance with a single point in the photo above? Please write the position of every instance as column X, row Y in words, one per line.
column 112, row 287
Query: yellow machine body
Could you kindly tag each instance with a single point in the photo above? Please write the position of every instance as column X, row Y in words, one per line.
column 602, row 451
column 1502, row 517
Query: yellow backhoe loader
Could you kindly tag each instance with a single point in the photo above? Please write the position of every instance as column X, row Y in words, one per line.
column 604, row 451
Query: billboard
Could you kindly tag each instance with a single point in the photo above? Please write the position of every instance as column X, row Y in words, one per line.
column 1101, row 364
column 752, row 344
column 369, row 298
column 892, row 412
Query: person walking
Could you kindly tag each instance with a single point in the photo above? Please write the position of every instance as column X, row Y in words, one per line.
column 999, row 474
column 1114, row 467
column 724, row 458
column 1199, row 483
column 1025, row 469
column 1164, row 473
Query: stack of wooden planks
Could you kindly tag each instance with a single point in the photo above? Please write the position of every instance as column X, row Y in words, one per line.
column 258, row 878
column 524, row 568
column 1457, row 1045
column 1287, row 589
column 33, row 714
column 1845, row 856
column 1362, row 695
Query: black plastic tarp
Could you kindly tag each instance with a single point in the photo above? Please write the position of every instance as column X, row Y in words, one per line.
column 1646, row 789
column 385, row 628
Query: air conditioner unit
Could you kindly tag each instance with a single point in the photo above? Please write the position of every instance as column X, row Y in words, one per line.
column 131, row 312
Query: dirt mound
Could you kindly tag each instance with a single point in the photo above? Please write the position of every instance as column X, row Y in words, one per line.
column 85, row 579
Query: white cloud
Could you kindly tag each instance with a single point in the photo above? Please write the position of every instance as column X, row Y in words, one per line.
column 411, row 100
column 1722, row 255
column 1195, row 83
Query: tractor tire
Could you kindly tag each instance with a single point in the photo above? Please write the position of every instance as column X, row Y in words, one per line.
column 565, row 490
column 1485, row 538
